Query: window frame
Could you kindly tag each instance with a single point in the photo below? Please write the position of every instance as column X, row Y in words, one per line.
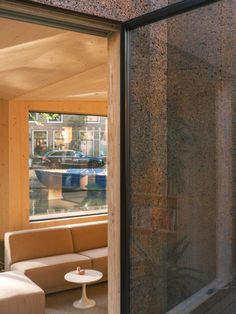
column 63, row 153
column 224, row 235
column 74, row 110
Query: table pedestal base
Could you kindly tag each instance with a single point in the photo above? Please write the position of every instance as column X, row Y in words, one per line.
column 84, row 302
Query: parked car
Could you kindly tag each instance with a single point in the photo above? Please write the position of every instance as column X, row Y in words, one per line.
column 70, row 159
column 104, row 158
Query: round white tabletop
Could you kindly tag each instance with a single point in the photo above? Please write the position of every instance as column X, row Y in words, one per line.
column 90, row 276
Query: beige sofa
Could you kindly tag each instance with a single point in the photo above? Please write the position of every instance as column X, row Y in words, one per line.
column 20, row 295
column 45, row 255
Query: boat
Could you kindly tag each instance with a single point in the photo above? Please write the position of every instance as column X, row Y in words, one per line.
column 73, row 179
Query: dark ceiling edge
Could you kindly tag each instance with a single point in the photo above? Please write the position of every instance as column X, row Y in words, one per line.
column 166, row 12
column 38, row 13
column 49, row 7
column 131, row 24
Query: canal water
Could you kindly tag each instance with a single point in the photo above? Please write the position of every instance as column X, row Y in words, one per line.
column 71, row 202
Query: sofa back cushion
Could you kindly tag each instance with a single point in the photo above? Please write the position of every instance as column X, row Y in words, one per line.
column 89, row 236
column 31, row 244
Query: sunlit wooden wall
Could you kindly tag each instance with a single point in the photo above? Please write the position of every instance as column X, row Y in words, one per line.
column 14, row 172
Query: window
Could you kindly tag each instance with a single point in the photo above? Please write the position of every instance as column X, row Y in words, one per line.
column 67, row 175
column 40, row 142
column 58, row 139
column 93, row 119
column 70, row 153
column 103, row 142
column 86, row 141
column 61, row 153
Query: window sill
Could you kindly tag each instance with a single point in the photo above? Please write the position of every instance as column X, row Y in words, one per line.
column 67, row 220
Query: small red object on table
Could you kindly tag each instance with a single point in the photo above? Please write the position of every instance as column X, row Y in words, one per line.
column 80, row 271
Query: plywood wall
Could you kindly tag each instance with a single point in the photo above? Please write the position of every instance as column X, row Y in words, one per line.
column 14, row 182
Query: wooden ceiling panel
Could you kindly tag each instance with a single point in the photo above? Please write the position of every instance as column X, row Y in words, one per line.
column 91, row 84
column 16, row 32
column 35, row 61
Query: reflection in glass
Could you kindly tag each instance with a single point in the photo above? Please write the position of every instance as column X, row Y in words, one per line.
column 67, row 167
column 181, row 96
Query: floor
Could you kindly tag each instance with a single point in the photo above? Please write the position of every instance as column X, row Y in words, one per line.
column 223, row 302
column 61, row 302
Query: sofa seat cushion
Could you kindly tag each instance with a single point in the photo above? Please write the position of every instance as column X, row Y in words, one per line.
column 48, row 272
column 19, row 295
column 99, row 259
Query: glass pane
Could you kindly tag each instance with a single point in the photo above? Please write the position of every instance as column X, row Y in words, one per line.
column 67, row 173
column 181, row 92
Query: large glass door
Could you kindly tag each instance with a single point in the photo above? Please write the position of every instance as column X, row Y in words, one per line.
column 181, row 88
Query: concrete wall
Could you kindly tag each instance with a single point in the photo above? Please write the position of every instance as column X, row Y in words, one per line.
column 111, row 9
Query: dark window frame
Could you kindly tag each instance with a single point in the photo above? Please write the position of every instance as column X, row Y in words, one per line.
column 129, row 25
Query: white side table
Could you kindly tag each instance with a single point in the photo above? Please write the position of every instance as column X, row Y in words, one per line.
column 90, row 276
